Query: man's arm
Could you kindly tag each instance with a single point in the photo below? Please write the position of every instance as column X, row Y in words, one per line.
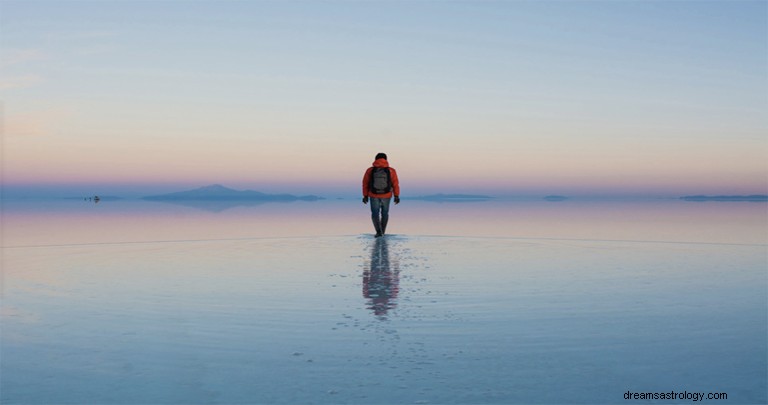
column 366, row 179
column 395, row 185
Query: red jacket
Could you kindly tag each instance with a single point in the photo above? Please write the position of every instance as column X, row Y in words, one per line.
column 392, row 175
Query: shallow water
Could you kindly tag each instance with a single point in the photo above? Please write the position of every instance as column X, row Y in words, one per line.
column 59, row 222
column 124, row 304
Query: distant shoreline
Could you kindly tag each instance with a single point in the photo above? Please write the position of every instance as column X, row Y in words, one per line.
column 755, row 198
column 452, row 197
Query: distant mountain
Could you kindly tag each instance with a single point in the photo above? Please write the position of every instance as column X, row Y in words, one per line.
column 755, row 197
column 218, row 192
column 452, row 197
column 555, row 198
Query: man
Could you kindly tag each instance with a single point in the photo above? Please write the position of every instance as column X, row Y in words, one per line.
column 379, row 184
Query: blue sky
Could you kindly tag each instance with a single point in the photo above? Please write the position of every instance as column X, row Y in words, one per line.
column 520, row 97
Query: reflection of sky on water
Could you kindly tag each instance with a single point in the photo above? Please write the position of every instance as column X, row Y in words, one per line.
column 453, row 320
column 72, row 221
column 263, row 303
column 219, row 205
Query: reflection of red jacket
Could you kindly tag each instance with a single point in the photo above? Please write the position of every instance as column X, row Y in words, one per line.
column 381, row 286
column 392, row 174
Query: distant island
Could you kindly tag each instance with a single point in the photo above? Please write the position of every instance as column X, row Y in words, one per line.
column 452, row 197
column 218, row 192
column 755, row 197
column 555, row 198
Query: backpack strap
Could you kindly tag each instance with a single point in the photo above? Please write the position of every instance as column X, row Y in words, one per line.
column 370, row 179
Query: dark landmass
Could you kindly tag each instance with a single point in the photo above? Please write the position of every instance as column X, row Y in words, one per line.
column 218, row 192
column 555, row 198
column 452, row 197
column 755, row 197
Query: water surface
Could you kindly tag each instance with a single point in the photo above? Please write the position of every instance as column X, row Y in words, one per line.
column 499, row 302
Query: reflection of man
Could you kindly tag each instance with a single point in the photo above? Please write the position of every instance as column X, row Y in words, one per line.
column 380, row 281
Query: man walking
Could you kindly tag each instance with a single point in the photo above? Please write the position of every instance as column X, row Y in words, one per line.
column 379, row 184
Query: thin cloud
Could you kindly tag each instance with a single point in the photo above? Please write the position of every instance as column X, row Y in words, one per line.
column 78, row 35
column 18, row 82
column 19, row 56
column 93, row 50
column 35, row 123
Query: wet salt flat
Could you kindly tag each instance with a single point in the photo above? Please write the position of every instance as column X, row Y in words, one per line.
column 558, row 316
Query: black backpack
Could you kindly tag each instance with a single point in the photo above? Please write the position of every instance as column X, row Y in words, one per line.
column 380, row 181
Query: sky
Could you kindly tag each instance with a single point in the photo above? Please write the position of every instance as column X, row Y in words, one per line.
column 652, row 98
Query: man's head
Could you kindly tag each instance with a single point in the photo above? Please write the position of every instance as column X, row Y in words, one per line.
column 381, row 156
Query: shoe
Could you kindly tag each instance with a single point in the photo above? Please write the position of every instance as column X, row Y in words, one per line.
column 379, row 234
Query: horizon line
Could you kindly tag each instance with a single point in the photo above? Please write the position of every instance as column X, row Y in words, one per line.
column 134, row 190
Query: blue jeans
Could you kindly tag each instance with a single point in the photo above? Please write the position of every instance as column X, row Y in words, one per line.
column 380, row 213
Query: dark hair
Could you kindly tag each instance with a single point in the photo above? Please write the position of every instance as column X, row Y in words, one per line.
column 381, row 156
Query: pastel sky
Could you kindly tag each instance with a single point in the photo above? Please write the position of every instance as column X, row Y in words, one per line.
column 500, row 97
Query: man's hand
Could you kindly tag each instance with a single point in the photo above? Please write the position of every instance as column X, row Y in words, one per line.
column 365, row 200
column 397, row 200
